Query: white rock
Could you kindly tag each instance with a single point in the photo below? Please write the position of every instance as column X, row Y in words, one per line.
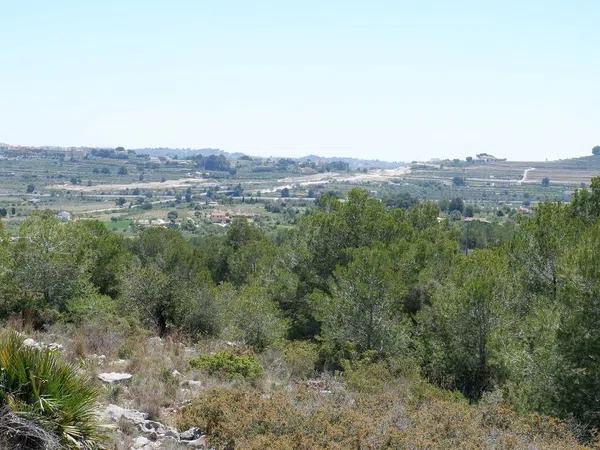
column 176, row 373
column 191, row 434
column 56, row 346
column 115, row 413
column 150, row 426
column 192, row 384
column 31, row 343
column 198, row 443
column 142, row 443
column 119, row 362
column 114, row 377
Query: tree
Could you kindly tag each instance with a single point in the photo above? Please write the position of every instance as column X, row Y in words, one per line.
column 3, row 212
column 285, row 192
column 151, row 292
column 545, row 181
column 462, row 326
column 596, row 150
column 540, row 244
column 51, row 266
column 579, row 340
column 458, row 181
column 106, row 252
column 30, row 188
column 169, row 275
column 250, row 315
column 122, row 170
column 120, row 201
column 9, row 299
column 363, row 305
column 172, row 216
column 456, row 204
column 586, row 203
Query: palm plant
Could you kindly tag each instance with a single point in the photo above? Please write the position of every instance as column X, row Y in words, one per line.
column 37, row 386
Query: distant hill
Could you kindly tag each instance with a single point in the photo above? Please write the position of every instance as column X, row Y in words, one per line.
column 353, row 163
column 181, row 152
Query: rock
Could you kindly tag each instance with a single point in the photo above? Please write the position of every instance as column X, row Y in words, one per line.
column 198, row 443
column 115, row 413
column 150, row 426
column 120, row 362
column 143, row 443
column 190, row 435
column 192, row 384
column 176, row 373
column 54, row 346
column 114, row 377
column 31, row 343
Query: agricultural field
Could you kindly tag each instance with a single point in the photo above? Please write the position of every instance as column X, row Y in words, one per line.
column 129, row 190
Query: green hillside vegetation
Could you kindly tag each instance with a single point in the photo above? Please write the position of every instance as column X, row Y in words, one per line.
column 420, row 335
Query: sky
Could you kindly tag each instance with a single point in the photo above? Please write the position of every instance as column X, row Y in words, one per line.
column 393, row 80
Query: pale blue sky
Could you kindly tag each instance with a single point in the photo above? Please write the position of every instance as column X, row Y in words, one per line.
column 394, row 80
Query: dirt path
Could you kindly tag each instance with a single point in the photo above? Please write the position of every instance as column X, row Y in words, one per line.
column 524, row 179
column 154, row 185
column 381, row 175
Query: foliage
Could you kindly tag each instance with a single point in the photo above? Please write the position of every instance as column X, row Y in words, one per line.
column 251, row 316
column 229, row 365
column 463, row 323
column 380, row 290
column 36, row 385
column 95, row 308
column 300, row 358
column 363, row 308
column 50, row 266
column 400, row 414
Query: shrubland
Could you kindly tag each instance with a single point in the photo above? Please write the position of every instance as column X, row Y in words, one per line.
column 364, row 326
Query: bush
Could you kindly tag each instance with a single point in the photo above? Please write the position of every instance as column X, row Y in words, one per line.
column 403, row 415
column 228, row 365
column 95, row 308
column 37, row 386
column 300, row 358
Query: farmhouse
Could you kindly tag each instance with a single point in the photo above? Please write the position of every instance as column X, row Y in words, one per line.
column 64, row 216
column 486, row 157
column 219, row 217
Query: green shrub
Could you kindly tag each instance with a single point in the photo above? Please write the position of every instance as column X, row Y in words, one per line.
column 300, row 358
column 228, row 365
column 95, row 308
column 37, row 386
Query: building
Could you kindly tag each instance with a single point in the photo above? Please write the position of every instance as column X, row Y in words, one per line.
column 64, row 216
column 486, row 157
column 219, row 217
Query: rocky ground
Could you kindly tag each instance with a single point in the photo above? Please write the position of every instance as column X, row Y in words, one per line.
column 139, row 398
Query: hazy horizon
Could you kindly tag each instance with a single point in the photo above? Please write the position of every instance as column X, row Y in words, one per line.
column 288, row 155
column 392, row 80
